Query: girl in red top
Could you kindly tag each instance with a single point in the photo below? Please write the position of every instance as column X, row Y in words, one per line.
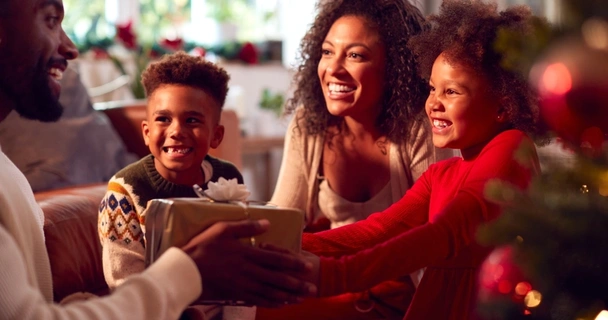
column 476, row 106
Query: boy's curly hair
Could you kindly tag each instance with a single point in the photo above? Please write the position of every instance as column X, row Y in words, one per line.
column 405, row 91
column 182, row 69
column 465, row 31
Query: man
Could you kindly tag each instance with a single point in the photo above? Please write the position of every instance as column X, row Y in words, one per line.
column 34, row 51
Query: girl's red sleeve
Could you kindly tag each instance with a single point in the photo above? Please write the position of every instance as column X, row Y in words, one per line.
column 443, row 236
column 410, row 211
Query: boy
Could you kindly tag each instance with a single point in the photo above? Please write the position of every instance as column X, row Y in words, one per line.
column 32, row 57
column 185, row 99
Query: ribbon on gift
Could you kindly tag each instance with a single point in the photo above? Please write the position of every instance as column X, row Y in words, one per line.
column 228, row 191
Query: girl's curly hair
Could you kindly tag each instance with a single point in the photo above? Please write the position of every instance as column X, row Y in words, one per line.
column 405, row 91
column 465, row 31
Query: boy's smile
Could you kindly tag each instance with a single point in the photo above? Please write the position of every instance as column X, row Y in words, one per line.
column 182, row 125
column 177, row 151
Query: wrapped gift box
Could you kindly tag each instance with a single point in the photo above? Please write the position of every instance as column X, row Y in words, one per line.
column 173, row 222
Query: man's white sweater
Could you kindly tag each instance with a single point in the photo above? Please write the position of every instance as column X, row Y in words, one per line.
column 160, row 292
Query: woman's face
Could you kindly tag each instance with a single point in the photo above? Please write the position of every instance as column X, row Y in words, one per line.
column 461, row 107
column 351, row 69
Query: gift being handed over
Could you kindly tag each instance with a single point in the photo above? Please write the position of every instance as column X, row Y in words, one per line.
column 173, row 222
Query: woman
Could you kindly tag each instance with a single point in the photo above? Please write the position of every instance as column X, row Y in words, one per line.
column 483, row 110
column 357, row 141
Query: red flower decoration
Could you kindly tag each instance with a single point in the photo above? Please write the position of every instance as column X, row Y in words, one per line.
column 125, row 34
column 172, row 44
column 99, row 53
column 249, row 53
column 155, row 54
column 199, row 52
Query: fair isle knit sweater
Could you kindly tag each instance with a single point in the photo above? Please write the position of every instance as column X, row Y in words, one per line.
column 161, row 292
column 121, row 222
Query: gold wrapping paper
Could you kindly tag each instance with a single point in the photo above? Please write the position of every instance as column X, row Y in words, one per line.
column 173, row 222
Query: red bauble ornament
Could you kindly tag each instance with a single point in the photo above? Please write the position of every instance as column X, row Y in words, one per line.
column 504, row 292
column 572, row 81
column 501, row 278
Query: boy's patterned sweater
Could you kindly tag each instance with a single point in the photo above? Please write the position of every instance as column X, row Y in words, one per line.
column 121, row 212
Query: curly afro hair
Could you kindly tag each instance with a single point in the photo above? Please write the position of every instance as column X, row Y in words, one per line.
column 405, row 91
column 465, row 31
column 182, row 69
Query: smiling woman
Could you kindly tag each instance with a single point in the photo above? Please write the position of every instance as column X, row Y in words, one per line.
column 351, row 69
column 357, row 142
column 477, row 106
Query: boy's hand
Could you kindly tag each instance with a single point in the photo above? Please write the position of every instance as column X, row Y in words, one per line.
column 232, row 270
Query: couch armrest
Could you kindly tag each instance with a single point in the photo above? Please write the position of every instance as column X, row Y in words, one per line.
column 72, row 243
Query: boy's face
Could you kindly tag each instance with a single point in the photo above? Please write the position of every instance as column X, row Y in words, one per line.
column 182, row 124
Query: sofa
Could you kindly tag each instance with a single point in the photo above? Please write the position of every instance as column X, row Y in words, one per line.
column 70, row 225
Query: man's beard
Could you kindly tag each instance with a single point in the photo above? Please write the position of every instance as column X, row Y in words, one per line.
column 39, row 102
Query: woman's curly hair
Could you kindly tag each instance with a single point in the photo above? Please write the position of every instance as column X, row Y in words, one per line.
column 181, row 68
column 405, row 90
column 465, row 31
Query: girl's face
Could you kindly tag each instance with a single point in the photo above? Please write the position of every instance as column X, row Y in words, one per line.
column 351, row 69
column 463, row 111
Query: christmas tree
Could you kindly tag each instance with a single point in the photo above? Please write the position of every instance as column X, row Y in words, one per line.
column 552, row 260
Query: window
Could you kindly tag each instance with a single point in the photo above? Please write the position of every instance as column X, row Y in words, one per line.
column 84, row 17
column 206, row 22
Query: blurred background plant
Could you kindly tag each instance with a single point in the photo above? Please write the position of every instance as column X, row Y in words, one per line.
column 272, row 101
column 162, row 27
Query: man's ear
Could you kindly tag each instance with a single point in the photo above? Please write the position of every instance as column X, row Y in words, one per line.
column 218, row 136
column 145, row 130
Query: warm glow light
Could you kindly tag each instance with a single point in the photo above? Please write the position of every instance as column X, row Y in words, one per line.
column 504, row 286
column 498, row 272
column 533, row 299
column 522, row 288
column 180, row 3
column 603, row 183
column 595, row 33
column 602, row 315
column 556, row 79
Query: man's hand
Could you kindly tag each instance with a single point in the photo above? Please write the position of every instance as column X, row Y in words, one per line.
column 232, row 270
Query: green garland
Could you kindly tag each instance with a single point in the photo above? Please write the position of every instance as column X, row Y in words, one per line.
column 559, row 231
